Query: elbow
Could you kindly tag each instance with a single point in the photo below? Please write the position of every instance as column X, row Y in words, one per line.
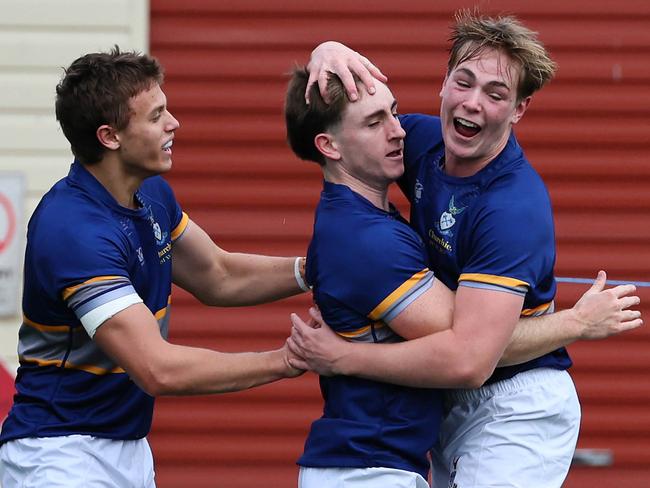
column 471, row 375
column 155, row 382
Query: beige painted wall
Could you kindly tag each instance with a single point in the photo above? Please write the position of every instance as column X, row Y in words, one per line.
column 38, row 39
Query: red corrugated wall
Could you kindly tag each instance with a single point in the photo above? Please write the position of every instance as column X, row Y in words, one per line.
column 588, row 133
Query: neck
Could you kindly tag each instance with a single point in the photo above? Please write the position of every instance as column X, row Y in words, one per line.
column 121, row 185
column 377, row 196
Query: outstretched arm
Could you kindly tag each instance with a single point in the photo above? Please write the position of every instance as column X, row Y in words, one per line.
column 598, row 314
column 219, row 277
column 132, row 339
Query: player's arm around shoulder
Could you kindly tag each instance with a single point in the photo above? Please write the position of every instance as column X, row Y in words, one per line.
column 132, row 339
column 218, row 277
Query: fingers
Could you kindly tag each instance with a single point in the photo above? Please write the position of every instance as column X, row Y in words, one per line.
column 630, row 325
column 323, row 76
column 627, row 302
column 344, row 71
column 622, row 290
column 374, row 70
column 298, row 364
column 313, row 78
column 295, row 347
column 344, row 63
column 298, row 323
column 627, row 315
column 316, row 317
column 599, row 282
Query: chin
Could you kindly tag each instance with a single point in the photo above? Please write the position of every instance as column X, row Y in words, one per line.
column 165, row 166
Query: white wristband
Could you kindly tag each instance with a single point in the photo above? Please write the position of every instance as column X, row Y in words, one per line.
column 296, row 271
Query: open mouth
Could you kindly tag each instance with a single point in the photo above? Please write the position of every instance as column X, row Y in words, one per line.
column 466, row 128
column 167, row 147
column 397, row 153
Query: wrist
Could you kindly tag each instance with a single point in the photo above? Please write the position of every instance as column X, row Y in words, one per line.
column 344, row 363
column 574, row 324
column 299, row 273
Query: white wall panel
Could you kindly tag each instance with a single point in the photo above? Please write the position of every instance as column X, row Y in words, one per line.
column 38, row 39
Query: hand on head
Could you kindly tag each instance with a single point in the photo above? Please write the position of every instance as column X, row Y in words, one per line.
column 334, row 57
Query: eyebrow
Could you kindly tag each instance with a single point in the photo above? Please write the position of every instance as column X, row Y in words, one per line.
column 380, row 112
column 471, row 74
column 157, row 110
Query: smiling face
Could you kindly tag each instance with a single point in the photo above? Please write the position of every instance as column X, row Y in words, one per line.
column 145, row 143
column 478, row 108
column 367, row 145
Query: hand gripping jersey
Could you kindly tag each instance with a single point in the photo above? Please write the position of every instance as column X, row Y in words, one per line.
column 88, row 258
column 366, row 265
column 492, row 230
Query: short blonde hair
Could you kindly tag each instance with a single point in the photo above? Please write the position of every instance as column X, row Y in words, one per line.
column 473, row 33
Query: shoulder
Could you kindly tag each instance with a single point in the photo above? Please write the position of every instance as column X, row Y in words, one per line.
column 518, row 189
column 423, row 141
column 418, row 124
column 70, row 227
column 513, row 220
column 158, row 189
column 362, row 231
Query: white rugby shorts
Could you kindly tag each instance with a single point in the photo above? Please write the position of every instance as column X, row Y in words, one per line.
column 76, row 461
column 359, row 478
column 516, row 433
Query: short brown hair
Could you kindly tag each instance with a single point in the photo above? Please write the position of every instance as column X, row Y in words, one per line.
column 95, row 90
column 473, row 33
column 304, row 122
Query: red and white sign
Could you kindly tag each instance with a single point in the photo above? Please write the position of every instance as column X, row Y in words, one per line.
column 7, row 391
column 11, row 222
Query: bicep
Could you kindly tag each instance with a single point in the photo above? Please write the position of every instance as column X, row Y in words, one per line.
column 429, row 313
column 132, row 339
column 486, row 318
column 195, row 258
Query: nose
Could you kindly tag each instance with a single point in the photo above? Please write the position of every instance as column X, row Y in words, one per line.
column 396, row 130
column 472, row 100
column 172, row 123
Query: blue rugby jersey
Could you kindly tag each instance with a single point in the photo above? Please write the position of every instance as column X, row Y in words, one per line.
column 83, row 251
column 366, row 265
column 492, row 230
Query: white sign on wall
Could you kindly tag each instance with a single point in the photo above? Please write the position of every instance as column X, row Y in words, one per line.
column 12, row 189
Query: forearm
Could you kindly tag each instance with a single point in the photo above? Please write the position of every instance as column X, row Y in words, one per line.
column 441, row 360
column 194, row 371
column 253, row 279
column 219, row 277
column 463, row 357
column 535, row 336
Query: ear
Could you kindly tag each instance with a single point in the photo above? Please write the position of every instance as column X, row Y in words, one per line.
column 520, row 109
column 108, row 137
column 327, row 146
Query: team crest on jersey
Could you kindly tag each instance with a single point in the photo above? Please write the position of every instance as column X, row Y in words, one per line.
column 448, row 219
column 156, row 232
column 160, row 236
